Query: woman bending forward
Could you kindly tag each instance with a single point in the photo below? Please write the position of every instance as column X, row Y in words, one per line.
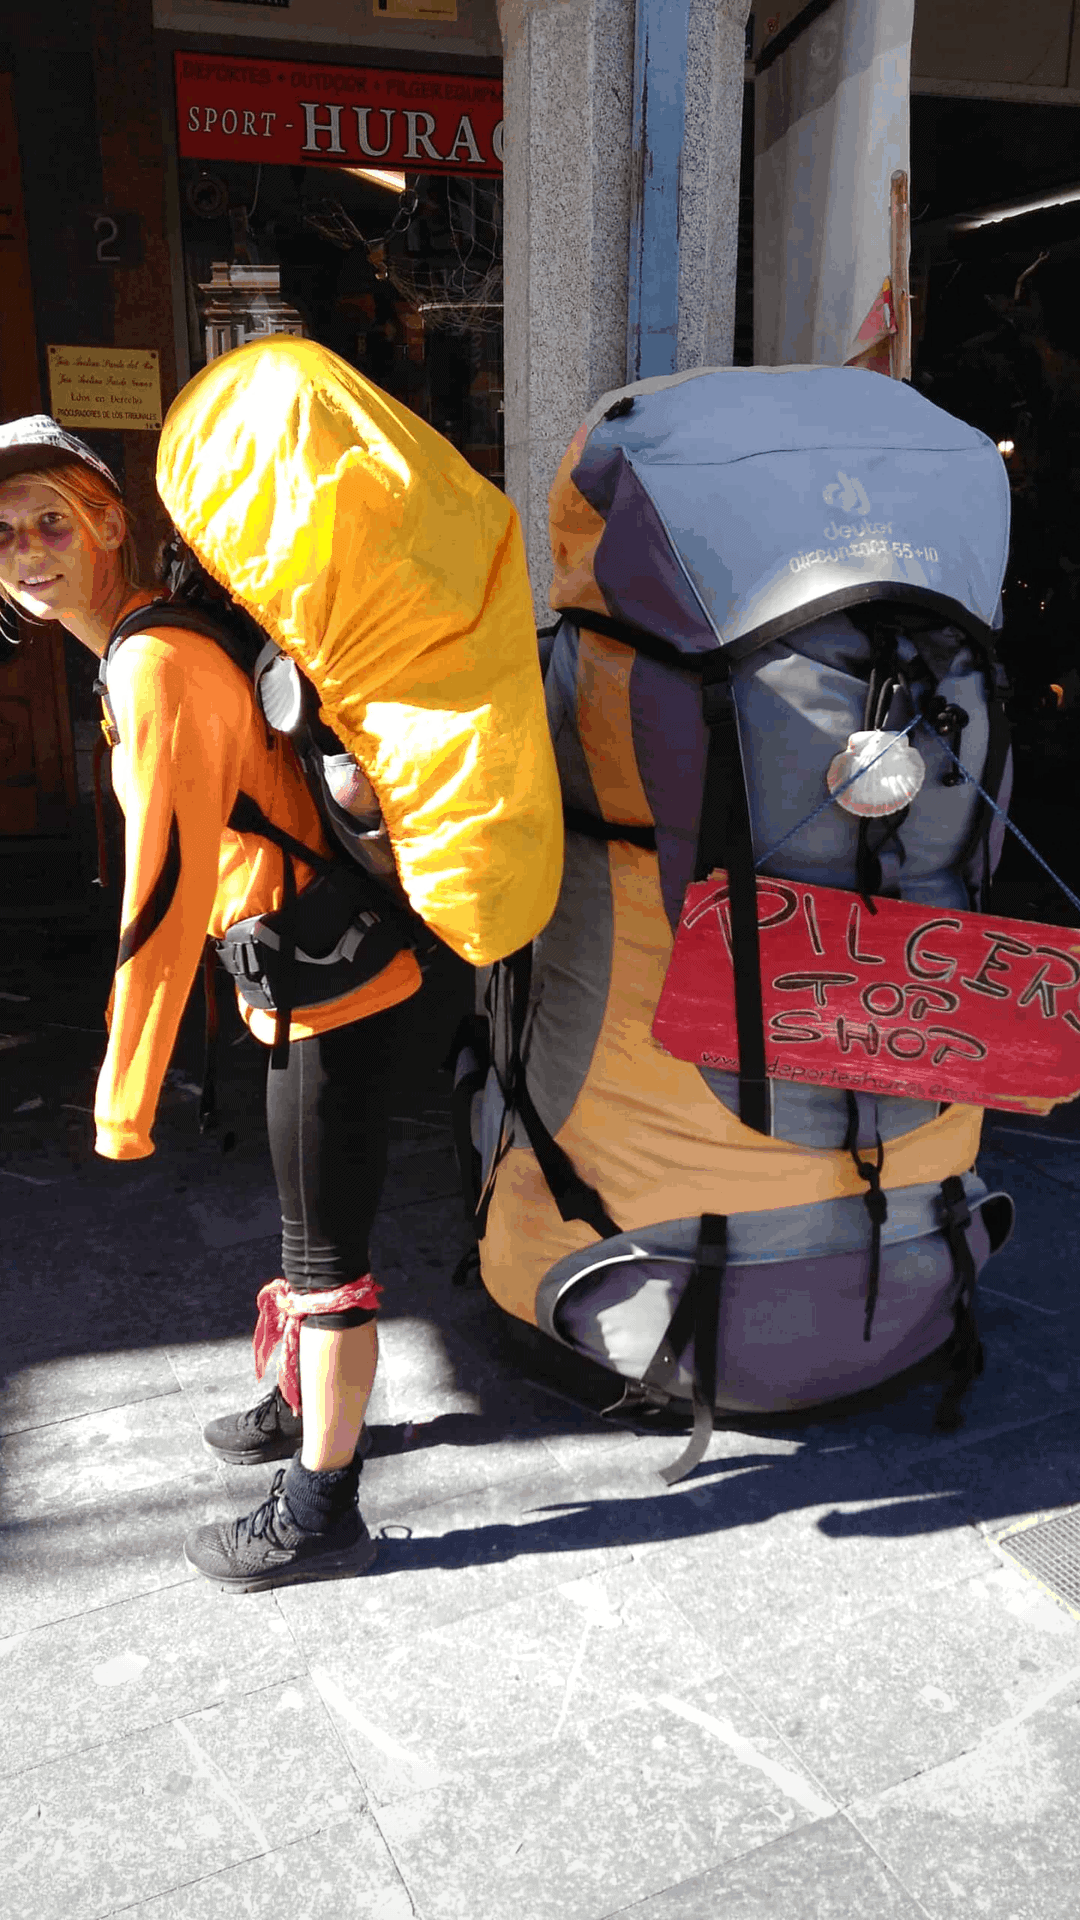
column 188, row 740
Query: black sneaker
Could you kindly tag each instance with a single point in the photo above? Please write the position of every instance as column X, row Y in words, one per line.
column 270, row 1431
column 268, row 1548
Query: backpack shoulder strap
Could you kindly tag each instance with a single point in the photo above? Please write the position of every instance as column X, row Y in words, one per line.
column 167, row 613
column 171, row 613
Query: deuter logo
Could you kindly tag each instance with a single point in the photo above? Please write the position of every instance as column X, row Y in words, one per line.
column 846, row 492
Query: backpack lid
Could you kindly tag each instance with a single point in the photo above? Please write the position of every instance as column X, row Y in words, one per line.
column 733, row 504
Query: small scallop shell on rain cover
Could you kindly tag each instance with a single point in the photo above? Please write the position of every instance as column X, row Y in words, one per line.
column 891, row 783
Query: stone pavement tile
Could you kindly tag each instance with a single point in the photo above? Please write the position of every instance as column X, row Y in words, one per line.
column 530, row 1675
column 994, row 1831
column 423, row 1359
column 1014, row 1390
column 86, row 1680
column 1006, row 1475
column 1038, row 1260
column 454, row 1454
column 218, row 1377
column 202, row 1365
column 67, row 1385
column 816, row 1568
column 474, row 1455
column 228, row 1219
column 92, row 1304
column 824, row 1871
column 424, row 1239
column 1015, row 1385
column 1017, row 1159
column 99, row 1456
column 888, row 1696
column 497, row 1424
column 1019, row 1411
column 205, row 1299
column 739, row 1485
column 120, row 1277
column 611, row 1815
column 343, row 1873
column 578, row 1448
column 149, row 1811
column 489, row 1549
column 420, row 1176
column 1017, row 1334
column 58, row 1563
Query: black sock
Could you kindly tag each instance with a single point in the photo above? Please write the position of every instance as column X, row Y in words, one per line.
column 318, row 1501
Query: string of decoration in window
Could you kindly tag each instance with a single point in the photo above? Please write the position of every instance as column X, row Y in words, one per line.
column 451, row 273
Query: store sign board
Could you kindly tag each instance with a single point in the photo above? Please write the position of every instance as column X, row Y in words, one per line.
column 285, row 113
column 929, row 1003
column 105, row 387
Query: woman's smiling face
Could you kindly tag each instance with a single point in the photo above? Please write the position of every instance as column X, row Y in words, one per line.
column 50, row 564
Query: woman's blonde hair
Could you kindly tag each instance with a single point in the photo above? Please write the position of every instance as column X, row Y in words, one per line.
column 89, row 496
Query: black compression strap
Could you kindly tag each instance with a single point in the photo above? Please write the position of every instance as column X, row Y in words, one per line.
column 938, row 607
column 965, row 1353
column 575, row 1199
column 471, row 1037
column 279, row 1056
column 875, row 838
column 781, row 41
column 724, row 840
column 512, row 976
column 573, row 1196
column 248, row 817
column 208, row 1099
column 168, row 613
column 484, row 1203
column 651, row 644
column 875, row 1201
column 594, row 828
column 519, row 976
column 101, row 748
column 157, row 903
column 696, row 1317
column 997, row 755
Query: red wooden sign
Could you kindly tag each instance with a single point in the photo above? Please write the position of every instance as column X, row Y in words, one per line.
column 287, row 114
column 922, row 1001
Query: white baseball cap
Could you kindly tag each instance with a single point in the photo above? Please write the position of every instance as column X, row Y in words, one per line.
column 38, row 441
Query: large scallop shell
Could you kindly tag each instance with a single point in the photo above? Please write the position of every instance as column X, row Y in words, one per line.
column 890, row 783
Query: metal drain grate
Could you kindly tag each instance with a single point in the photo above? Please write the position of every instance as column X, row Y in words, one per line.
column 1049, row 1551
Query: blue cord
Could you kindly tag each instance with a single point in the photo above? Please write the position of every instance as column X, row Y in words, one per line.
column 837, row 791
column 920, row 719
column 1024, row 841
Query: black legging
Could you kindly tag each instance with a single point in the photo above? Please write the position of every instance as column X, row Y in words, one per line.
column 327, row 1112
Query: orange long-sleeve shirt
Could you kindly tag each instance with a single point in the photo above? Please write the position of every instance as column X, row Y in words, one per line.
column 190, row 739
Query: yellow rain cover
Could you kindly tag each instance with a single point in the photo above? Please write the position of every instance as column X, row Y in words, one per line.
column 395, row 576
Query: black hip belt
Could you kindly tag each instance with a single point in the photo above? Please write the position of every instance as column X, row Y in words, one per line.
column 340, row 933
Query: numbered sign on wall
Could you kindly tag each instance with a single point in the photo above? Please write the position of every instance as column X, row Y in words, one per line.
column 114, row 239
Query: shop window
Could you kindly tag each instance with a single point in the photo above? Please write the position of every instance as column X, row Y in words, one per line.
column 399, row 274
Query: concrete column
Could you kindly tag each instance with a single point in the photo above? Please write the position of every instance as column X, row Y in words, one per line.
column 574, row 183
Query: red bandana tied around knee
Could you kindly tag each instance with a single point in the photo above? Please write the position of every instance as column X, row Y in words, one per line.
column 280, row 1313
